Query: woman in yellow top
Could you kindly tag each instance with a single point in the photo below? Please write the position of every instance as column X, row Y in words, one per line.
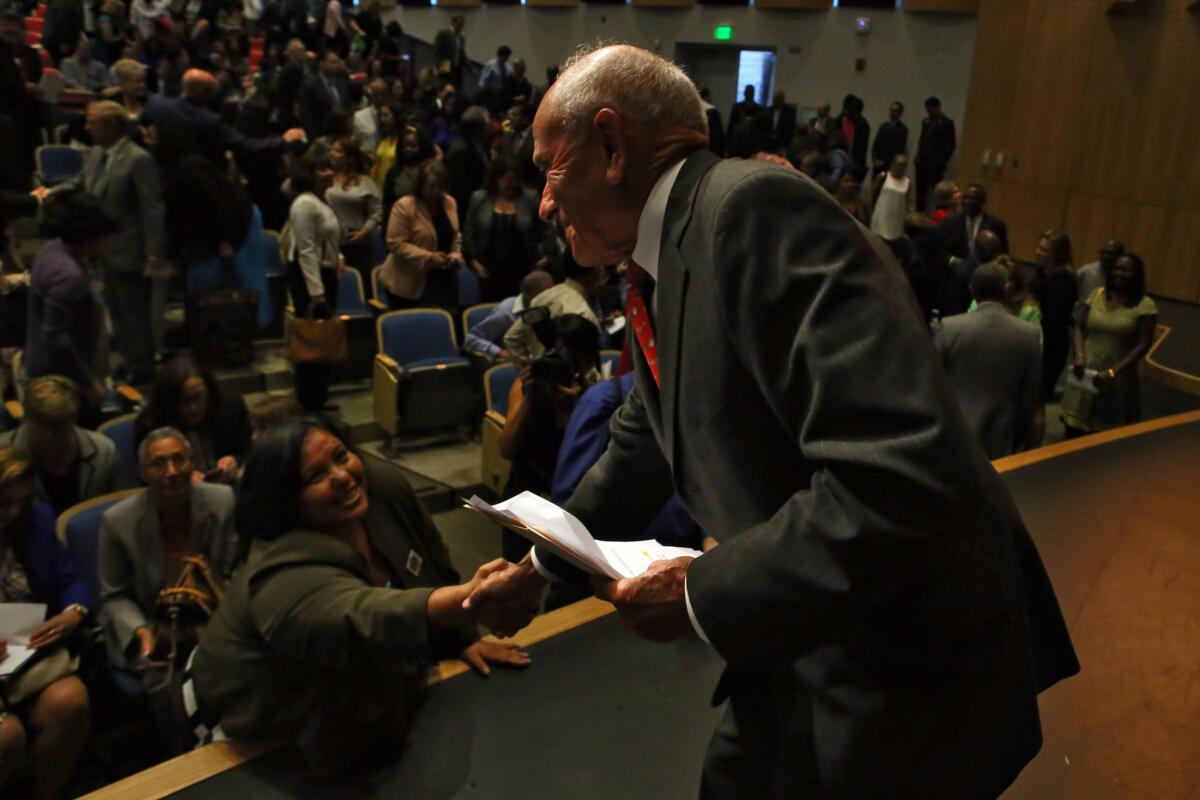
column 391, row 126
column 1115, row 331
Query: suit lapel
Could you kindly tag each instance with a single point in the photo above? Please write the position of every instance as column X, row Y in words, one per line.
column 672, row 288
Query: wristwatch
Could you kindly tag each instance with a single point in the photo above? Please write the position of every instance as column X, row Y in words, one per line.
column 1112, row 373
column 80, row 607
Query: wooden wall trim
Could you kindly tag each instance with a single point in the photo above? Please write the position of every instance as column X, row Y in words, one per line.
column 941, row 6
column 1169, row 376
column 1009, row 463
column 797, row 5
column 182, row 771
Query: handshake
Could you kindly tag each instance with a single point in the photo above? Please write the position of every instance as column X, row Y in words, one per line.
column 504, row 597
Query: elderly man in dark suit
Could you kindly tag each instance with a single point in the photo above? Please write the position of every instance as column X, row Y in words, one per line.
column 213, row 136
column 885, row 617
column 994, row 361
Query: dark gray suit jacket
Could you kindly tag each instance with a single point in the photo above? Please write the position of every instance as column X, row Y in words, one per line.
column 129, row 186
column 130, row 559
column 995, row 365
column 870, row 557
column 99, row 465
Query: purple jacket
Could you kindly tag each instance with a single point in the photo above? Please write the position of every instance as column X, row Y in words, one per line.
column 64, row 322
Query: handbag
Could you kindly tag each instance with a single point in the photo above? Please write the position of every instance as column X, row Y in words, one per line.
column 183, row 609
column 37, row 675
column 225, row 322
column 320, row 341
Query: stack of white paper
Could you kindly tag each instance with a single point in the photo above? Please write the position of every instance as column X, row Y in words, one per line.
column 17, row 621
column 546, row 524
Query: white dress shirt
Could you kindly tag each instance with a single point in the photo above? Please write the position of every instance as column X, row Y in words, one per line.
column 645, row 255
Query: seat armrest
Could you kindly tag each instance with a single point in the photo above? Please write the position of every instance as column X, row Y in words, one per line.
column 377, row 307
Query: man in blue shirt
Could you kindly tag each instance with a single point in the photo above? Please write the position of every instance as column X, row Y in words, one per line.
column 586, row 439
column 496, row 72
column 486, row 336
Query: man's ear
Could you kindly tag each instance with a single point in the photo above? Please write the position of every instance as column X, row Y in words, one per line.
column 611, row 130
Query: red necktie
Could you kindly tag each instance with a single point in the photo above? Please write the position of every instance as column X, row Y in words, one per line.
column 641, row 285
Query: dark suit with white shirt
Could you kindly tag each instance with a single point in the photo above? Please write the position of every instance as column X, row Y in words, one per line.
column 885, row 616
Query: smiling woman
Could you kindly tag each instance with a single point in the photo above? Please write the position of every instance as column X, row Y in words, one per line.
column 348, row 596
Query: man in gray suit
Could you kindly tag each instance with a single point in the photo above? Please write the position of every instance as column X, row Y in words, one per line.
column 125, row 177
column 995, row 364
column 71, row 464
column 886, row 620
column 142, row 540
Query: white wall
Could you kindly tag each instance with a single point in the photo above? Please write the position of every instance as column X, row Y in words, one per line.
column 909, row 56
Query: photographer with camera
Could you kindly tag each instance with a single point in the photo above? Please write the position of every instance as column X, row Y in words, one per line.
column 540, row 403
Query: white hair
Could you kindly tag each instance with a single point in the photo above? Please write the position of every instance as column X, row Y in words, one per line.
column 648, row 91
column 162, row 433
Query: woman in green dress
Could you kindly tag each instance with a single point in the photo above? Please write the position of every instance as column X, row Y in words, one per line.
column 1114, row 333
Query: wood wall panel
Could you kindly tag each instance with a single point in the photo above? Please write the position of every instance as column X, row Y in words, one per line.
column 993, row 85
column 1168, row 240
column 941, row 6
column 1043, row 133
column 1143, row 108
column 1098, row 116
column 1027, row 210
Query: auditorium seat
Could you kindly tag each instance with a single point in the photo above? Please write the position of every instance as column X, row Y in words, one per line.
column 421, row 383
column 353, row 310
column 276, row 272
column 79, row 529
column 469, row 290
column 494, row 468
column 57, row 163
column 122, row 431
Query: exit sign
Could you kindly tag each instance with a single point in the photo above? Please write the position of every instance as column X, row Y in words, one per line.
column 723, row 33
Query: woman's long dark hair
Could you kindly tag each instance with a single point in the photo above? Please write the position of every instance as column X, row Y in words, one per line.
column 162, row 410
column 271, row 486
column 204, row 208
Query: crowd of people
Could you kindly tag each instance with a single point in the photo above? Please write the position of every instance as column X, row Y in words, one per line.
column 211, row 122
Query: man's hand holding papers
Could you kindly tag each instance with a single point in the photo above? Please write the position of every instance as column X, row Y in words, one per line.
column 644, row 580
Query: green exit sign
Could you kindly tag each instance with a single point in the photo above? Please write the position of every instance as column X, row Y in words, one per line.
column 723, row 33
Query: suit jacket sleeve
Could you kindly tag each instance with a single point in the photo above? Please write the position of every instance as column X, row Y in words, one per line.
column 633, row 459
column 146, row 184
column 120, row 612
column 823, row 330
